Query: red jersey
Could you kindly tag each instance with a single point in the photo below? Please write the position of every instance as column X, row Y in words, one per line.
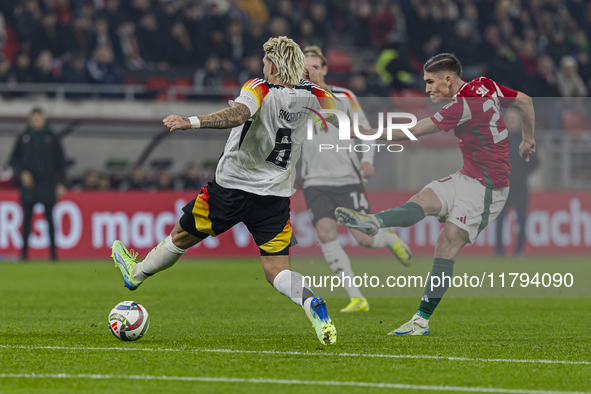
column 475, row 115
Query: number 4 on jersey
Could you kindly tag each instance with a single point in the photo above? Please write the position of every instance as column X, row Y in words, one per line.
column 282, row 150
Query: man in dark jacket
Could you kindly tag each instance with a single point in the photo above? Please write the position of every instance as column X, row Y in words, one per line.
column 518, row 191
column 39, row 167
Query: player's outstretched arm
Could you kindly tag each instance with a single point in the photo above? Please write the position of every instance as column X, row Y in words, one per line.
column 525, row 105
column 234, row 116
column 423, row 127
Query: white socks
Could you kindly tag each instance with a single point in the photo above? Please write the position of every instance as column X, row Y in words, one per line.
column 383, row 239
column 339, row 263
column 163, row 256
column 292, row 284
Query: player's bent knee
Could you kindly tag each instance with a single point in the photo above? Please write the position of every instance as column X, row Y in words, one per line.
column 274, row 264
column 327, row 230
column 182, row 239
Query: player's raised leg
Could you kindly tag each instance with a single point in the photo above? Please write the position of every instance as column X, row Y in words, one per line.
column 385, row 239
column 418, row 206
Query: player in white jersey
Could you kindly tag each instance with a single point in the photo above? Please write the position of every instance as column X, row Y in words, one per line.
column 254, row 178
column 334, row 178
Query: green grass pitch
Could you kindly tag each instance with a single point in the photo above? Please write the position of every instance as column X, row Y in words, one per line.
column 218, row 327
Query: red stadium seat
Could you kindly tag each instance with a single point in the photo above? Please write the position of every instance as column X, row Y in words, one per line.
column 339, row 61
column 182, row 83
column 230, row 84
column 573, row 120
column 158, row 85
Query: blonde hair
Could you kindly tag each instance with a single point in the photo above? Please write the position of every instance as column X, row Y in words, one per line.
column 287, row 56
column 314, row 50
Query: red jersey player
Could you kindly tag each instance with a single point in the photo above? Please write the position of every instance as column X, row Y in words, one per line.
column 469, row 199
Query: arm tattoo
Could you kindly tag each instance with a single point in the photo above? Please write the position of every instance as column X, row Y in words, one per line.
column 226, row 118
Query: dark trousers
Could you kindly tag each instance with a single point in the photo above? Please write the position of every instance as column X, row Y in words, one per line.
column 519, row 201
column 28, row 216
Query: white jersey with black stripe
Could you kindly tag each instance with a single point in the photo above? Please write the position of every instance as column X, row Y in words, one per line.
column 260, row 155
column 334, row 167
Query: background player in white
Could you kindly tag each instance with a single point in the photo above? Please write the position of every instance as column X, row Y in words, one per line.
column 253, row 181
column 471, row 198
column 333, row 178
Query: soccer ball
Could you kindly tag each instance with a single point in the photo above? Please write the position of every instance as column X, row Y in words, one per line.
column 129, row 321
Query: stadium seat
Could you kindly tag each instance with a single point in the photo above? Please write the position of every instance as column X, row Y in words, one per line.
column 340, row 61
column 573, row 120
column 158, row 86
column 182, row 83
column 230, row 84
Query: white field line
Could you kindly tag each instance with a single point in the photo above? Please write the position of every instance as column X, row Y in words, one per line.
column 206, row 379
column 288, row 353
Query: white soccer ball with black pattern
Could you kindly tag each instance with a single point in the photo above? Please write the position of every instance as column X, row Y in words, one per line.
column 129, row 321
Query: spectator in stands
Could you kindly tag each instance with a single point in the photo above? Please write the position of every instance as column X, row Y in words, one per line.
column 151, row 41
column 558, row 47
column 519, row 191
column 252, row 69
column 28, row 17
column 74, row 71
column 306, row 35
column 103, row 33
column 127, row 47
column 466, row 47
column 570, row 83
column 255, row 39
column 190, row 179
column 90, row 181
column 585, row 68
column 80, row 36
column 528, row 55
column 137, row 180
column 544, row 83
column 43, row 70
column 5, row 67
column 210, row 76
column 21, row 71
column 39, row 165
column 164, row 180
column 179, row 47
column 114, row 13
column 235, row 40
column 101, row 67
column 167, row 14
column 50, row 36
column 105, row 182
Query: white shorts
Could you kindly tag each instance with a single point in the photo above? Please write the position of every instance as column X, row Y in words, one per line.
column 467, row 203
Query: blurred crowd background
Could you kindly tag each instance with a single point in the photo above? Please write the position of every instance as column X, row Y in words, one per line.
column 376, row 47
column 206, row 49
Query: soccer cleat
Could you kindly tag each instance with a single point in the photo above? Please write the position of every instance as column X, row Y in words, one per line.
column 367, row 224
column 401, row 250
column 416, row 326
column 325, row 329
column 357, row 305
column 125, row 261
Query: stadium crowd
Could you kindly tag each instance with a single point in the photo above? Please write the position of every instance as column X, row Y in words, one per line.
column 540, row 47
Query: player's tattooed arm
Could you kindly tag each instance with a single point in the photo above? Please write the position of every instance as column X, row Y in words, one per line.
column 226, row 118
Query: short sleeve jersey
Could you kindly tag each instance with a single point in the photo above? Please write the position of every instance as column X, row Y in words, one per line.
column 475, row 115
column 260, row 155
